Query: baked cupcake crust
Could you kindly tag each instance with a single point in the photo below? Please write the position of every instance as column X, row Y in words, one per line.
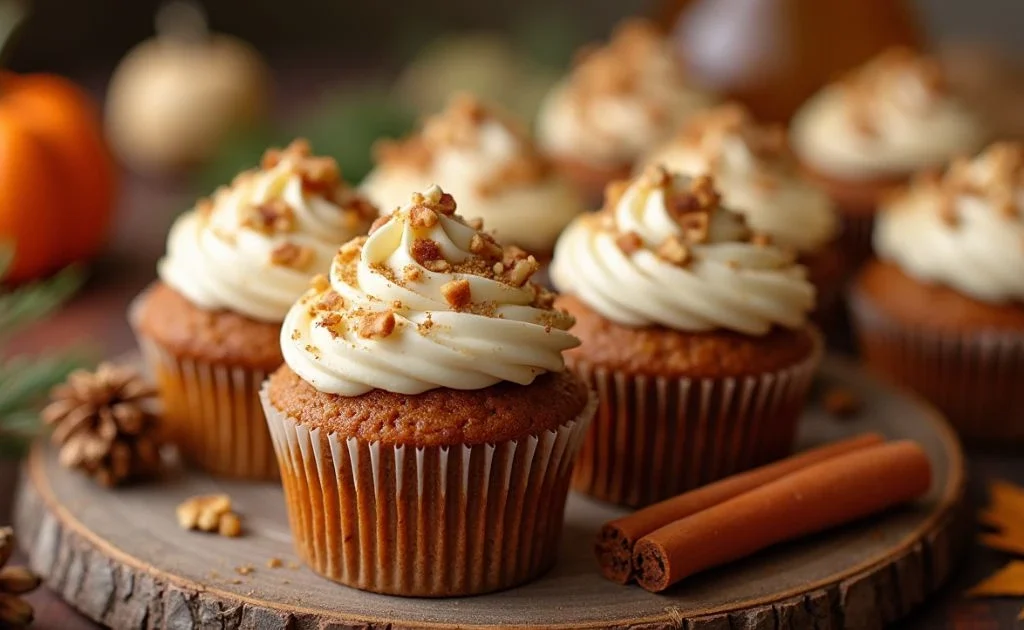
column 660, row 351
column 437, row 417
column 935, row 307
column 167, row 317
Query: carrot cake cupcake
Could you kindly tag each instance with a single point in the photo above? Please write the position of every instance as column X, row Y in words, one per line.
column 234, row 266
column 424, row 421
column 871, row 131
column 487, row 161
column 757, row 176
column 695, row 337
column 942, row 311
column 619, row 102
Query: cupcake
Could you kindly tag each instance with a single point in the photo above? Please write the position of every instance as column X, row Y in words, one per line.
column 695, row 338
column 757, row 176
column 487, row 161
column 619, row 102
column 424, row 422
column 870, row 132
column 209, row 327
column 942, row 311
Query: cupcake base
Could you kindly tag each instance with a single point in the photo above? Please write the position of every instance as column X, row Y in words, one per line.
column 211, row 404
column 964, row 356
column 857, row 202
column 425, row 521
column 679, row 410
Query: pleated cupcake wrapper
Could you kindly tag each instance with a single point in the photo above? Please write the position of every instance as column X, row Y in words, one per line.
column 974, row 378
column 213, row 414
column 655, row 437
column 432, row 521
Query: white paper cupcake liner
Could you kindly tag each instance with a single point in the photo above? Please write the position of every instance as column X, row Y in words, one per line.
column 213, row 414
column 974, row 378
column 428, row 522
column 655, row 437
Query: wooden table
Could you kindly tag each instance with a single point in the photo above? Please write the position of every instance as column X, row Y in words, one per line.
column 96, row 317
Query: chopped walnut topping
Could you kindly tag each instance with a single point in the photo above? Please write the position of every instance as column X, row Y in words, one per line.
column 292, row 256
column 422, row 217
column 209, row 513
column 377, row 325
column 425, row 250
column 703, row 189
column 883, row 75
column 319, row 282
column 761, row 239
column 673, row 250
column 330, row 301
column 616, row 67
column 484, row 245
column 457, row 293
column 412, row 273
column 476, row 223
column 695, row 227
column 655, row 176
column 270, row 217
column 350, row 251
column 629, row 243
column 498, row 268
column 438, row 266
column 317, row 173
column 614, row 191
column 522, row 270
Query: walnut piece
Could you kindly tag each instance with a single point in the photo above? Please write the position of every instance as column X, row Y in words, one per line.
column 274, row 216
column 377, row 325
column 629, row 243
column 673, row 250
column 292, row 256
column 422, row 217
column 457, row 293
column 484, row 245
column 209, row 513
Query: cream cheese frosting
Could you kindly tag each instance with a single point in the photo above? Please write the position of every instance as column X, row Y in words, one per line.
column 619, row 101
column 965, row 229
column 487, row 162
column 892, row 117
column 756, row 175
column 426, row 301
column 665, row 252
column 252, row 248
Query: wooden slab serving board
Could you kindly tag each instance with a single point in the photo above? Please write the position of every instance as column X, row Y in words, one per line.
column 120, row 558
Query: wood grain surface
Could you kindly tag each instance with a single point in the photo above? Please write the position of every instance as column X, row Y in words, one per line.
column 120, row 558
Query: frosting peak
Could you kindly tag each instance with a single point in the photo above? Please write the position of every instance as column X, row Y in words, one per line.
column 665, row 252
column 426, row 300
column 620, row 100
column 254, row 245
column 963, row 228
column 756, row 174
column 894, row 115
column 489, row 162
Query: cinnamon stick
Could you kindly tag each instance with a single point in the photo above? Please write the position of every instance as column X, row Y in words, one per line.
column 615, row 541
column 833, row 492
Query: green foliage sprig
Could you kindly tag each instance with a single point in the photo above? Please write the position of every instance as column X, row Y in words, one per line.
column 25, row 380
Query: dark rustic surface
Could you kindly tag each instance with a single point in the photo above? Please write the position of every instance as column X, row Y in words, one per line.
column 95, row 318
column 121, row 558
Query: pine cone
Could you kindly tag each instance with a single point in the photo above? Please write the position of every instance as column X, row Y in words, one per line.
column 15, row 612
column 104, row 424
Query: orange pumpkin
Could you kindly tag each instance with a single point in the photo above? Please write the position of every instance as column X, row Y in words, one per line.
column 57, row 179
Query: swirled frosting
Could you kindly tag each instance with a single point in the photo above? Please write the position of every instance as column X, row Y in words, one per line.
column 965, row 229
column 664, row 252
column 252, row 248
column 426, row 301
column 755, row 173
column 889, row 118
column 487, row 162
column 620, row 100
